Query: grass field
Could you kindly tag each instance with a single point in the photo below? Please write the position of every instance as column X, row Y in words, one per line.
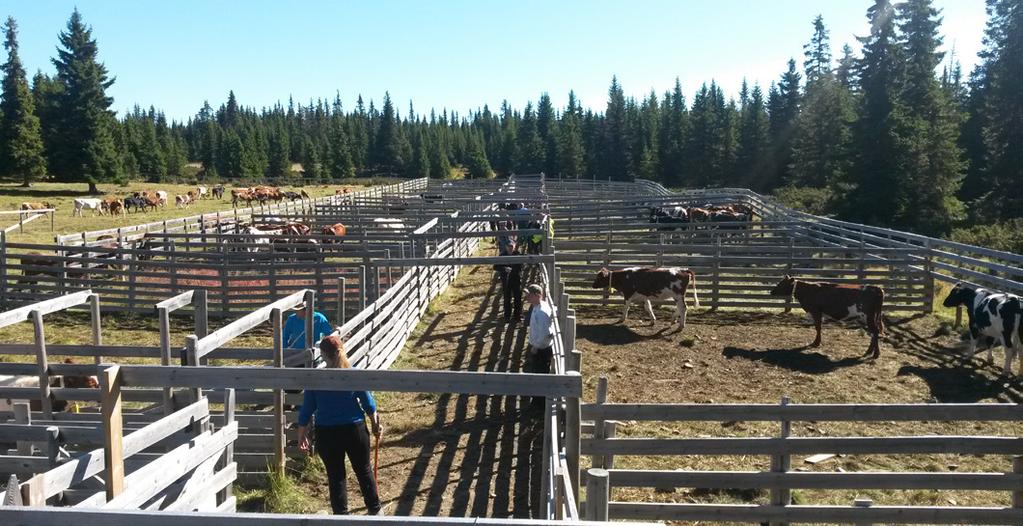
column 62, row 195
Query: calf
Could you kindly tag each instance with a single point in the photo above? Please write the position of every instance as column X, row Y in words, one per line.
column 35, row 206
column 992, row 315
column 182, row 201
column 201, row 192
column 644, row 284
column 86, row 203
column 839, row 302
column 218, row 191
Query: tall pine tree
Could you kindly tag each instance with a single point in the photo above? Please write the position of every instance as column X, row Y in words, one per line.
column 86, row 151
column 21, row 142
column 1003, row 129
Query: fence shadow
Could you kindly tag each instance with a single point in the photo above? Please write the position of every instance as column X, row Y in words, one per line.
column 794, row 359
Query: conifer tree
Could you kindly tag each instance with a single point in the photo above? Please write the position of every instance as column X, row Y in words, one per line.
column 929, row 131
column 753, row 141
column 1003, row 129
column 571, row 140
column 673, row 137
column 616, row 157
column 546, row 127
column 846, row 71
column 85, row 150
column 820, row 148
column 877, row 165
column 390, row 150
column 784, row 108
column 528, row 146
column 479, row 166
column 21, row 142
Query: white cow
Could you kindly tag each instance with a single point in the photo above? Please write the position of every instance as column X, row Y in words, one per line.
column 162, row 196
column 82, row 203
column 202, row 192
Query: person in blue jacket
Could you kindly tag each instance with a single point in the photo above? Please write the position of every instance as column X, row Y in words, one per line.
column 340, row 418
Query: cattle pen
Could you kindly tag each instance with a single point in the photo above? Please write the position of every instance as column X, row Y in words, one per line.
column 167, row 440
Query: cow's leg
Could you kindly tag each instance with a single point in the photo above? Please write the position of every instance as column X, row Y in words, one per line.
column 1009, row 344
column 680, row 308
column 818, row 318
column 650, row 311
column 625, row 311
column 974, row 336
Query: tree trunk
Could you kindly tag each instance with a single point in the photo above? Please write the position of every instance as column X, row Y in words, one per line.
column 92, row 189
column 26, row 182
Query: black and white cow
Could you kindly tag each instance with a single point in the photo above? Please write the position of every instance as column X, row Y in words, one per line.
column 994, row 315
column 639, row 284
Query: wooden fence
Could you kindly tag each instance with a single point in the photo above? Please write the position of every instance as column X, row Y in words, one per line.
column 27, row 216
column 782, row 479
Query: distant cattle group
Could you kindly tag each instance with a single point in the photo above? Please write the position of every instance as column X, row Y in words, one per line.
column 673, row 217
column 149, row 200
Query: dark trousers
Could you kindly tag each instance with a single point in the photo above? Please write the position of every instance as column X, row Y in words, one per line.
column 540, row 364
column 333, row 443
column 511, row 286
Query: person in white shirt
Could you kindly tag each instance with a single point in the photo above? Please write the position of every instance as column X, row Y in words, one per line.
column 541, row 335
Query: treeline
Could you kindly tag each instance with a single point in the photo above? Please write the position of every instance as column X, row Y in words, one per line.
column 872, row 135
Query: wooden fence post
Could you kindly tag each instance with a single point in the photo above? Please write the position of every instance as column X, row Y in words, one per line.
column 929, row 280
column 597, row 494
column 42, row 364
column 200, row 302
column 3, row 269
column 95, row 321
column 607, row 261
column 341, row 288
column 165, row 355
column 572, row 438
column 309, row 301
column 113, row 432
column 716, row 285
column 229, row 407
column 279, row 427
column 598, row 461
column 788, row 268
column 363, row 289
column 23, row 416
column 781, row 464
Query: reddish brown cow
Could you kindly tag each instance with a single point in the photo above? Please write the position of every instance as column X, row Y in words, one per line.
column 337, row 231
column 839, row 302
column 35, row 206
column 644, row 284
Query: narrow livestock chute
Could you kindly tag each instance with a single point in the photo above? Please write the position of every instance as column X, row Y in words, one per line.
column 840, row 302
column 994, row 316
column 645, row 284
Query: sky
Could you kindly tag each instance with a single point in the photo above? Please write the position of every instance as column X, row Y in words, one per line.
column 457, row 55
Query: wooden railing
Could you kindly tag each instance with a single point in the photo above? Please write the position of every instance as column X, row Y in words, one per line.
column 781, row 480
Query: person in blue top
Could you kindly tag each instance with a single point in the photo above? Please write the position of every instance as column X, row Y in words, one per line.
column 341, row 430
column 294, row 329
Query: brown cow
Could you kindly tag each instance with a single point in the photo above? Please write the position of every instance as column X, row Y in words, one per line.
column 35, row 206
column 644, row 284
column 840, row 302
column 337, row 231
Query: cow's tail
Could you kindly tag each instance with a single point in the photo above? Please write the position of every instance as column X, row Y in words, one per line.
column 692, row 285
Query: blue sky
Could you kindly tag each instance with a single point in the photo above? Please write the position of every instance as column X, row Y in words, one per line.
column 458, row 55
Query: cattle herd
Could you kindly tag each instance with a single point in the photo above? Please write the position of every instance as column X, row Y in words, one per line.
column 148, row 200
column 995, row 319
column 676, row 216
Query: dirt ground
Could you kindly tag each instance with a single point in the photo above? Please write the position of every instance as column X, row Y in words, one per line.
column 460, row 455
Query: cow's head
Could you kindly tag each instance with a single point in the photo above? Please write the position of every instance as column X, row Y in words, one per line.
column 959, row 295
column 603, row 279
column 784, row 287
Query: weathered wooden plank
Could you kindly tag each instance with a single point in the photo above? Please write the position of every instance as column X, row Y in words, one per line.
column 968, row 445
column 44, row 307
column 176, row 302
column 815, row 514
column 804, row 412
column 812, row 480
column 234, row 329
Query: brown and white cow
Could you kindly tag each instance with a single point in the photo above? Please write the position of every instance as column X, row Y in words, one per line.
column 655, row 283
column 840, row 302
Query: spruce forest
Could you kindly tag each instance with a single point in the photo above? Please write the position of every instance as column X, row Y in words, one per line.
column 887, row 131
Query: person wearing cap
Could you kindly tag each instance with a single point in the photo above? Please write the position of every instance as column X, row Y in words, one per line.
column 541, row 333
column 294, row 328
column 340, row 418
column 511, row 281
